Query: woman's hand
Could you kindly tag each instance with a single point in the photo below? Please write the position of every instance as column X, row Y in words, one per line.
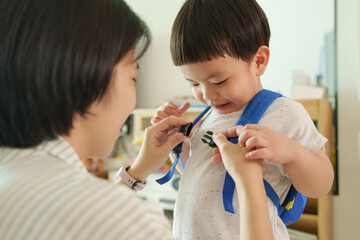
column 171, row 109
column 235, row 162
column 158, row 142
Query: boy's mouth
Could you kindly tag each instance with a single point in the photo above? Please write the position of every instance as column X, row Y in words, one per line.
column 221, row 106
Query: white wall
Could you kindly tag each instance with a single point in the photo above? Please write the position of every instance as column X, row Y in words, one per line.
column 298, row 29
column 346, row 205
column 158, row 79
column 297, row 33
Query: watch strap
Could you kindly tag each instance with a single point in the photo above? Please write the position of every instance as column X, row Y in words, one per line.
column 129, row 180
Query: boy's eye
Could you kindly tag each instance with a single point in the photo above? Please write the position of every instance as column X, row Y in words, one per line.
column 194, row 84
column 219, row 83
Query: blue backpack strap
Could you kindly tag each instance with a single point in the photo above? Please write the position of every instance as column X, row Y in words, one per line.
column 257, row 107
column 251, row 115
column 293, row 206
column 270, row 192
column 177, row 151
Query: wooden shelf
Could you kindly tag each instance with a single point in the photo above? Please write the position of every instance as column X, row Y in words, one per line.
column 306, row 223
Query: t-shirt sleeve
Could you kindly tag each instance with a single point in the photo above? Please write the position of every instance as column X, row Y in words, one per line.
column 291, row 119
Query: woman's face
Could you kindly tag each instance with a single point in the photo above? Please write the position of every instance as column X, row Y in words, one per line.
column 94, row 134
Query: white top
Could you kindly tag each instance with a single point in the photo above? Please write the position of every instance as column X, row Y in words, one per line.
column 199, row 212
column 46, row 193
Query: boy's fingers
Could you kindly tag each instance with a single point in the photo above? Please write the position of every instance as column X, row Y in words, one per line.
column 183, row 108
column 233, row 131
column 170, row 111
column 259, row 154
column 172, row 105
column 154, row 120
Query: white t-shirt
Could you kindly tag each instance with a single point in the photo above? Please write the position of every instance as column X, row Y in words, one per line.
column 199, row 212
column 46, row 193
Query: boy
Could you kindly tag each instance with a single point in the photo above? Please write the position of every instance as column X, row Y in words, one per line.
column 222, row 48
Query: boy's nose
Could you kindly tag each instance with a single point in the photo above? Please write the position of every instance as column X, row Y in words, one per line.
column 209, row 94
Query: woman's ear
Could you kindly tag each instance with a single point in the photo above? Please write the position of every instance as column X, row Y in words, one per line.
column 261, row 60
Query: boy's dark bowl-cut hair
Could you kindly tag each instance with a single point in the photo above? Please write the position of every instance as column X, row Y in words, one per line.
column 56, row 59
column 207, row 29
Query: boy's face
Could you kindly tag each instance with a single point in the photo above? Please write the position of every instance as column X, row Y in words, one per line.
column 225, row 83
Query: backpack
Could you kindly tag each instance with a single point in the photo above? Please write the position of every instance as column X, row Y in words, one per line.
column 293, row 206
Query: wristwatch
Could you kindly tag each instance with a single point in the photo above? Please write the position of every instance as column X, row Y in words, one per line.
column 129, row 180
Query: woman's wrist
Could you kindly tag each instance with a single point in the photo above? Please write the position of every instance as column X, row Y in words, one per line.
column 246, row 185
column 127, row 179
column 138, row 173
column 249, row 173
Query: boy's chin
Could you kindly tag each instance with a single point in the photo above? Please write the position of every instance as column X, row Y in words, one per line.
column 228, row 109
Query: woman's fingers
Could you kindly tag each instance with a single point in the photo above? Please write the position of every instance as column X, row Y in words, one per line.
column 170, row 122
column 216, row 158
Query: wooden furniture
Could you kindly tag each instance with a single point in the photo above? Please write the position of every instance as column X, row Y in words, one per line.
column 318, row 215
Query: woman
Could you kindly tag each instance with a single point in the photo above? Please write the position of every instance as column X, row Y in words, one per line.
column 67, row 84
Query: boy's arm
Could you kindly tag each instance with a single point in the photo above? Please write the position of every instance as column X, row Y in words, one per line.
column 311, row 174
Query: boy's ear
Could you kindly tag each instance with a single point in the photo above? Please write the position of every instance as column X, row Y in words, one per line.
column 261, row 60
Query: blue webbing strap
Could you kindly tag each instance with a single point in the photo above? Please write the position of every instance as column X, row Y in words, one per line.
column 252, row 115
column 170, row 173
column 270, row 192
column 177, row 152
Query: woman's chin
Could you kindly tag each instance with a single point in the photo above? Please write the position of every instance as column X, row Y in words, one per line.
column 100, row 153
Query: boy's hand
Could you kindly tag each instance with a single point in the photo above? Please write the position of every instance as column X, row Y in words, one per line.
column 261, row 143
column 169, row 109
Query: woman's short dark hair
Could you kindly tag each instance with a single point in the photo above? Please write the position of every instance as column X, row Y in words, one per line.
column 56, row 59
column 207, row 29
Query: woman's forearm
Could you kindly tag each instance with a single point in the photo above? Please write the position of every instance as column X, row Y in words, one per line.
column 254, row 217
